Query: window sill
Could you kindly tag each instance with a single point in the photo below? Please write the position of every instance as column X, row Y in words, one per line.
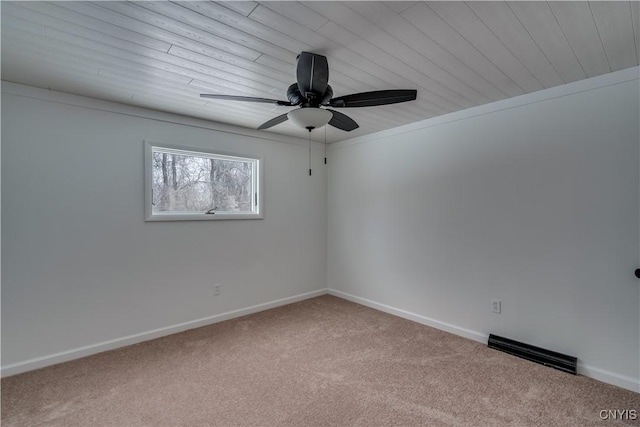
column 202, row 216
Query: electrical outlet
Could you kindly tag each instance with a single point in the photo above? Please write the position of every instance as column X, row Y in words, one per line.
column 216, row 289
column 496, row 306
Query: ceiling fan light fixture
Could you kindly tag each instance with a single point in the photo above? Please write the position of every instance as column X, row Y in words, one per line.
column 310, row 117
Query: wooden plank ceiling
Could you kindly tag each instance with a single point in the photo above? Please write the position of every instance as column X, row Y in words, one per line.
column 162, row 55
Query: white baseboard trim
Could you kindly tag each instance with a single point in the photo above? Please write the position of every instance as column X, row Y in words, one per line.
column 456, row 330
column 603, row 375
column 609, row 377
column 76, row 353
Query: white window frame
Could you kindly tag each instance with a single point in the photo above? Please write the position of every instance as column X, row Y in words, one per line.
column 258, row 183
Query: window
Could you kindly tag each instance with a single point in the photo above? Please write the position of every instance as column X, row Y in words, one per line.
column 185, row 184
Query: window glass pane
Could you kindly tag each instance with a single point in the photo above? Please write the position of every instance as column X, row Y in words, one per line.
column 185, row 182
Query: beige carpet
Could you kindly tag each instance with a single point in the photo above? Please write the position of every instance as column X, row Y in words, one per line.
column 323, row 361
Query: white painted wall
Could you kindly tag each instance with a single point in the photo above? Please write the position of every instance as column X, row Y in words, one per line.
column 533, row 201
column 80, row 267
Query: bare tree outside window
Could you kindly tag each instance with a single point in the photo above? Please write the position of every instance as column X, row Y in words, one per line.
column 185, row 182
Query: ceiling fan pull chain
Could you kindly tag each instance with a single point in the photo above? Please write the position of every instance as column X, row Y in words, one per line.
column 309, row 150
column 325, row 145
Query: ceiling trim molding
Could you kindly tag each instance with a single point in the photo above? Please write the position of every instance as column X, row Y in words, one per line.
column 25, row 91
column 585, row 85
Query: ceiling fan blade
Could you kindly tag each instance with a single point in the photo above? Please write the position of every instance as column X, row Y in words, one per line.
column 246, row 99
column 342, row 121
column 275, row 121
column 371, row 99
column 312, row 73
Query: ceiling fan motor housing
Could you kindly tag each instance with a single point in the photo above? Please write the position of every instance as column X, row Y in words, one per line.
column 293, row 94
column 296, row 98
column 312, row 74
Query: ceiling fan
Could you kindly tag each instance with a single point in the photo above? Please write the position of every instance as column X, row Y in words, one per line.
column 312, row 91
